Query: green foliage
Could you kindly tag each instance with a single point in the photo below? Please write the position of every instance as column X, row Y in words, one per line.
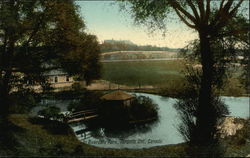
column 189, row 114
column 52, row 126
column 113, row 45
column 175, row 88
column 39, row 36
column 143, row 108
column 24, row 101
column 87, row 100
column 151, row 13
column 50, row 112
column 115, row 114
column 233, row 87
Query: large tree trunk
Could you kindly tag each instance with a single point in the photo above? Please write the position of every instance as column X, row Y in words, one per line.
column 5, row 85
column 206, row 116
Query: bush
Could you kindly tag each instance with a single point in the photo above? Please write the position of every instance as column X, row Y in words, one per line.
column 187, row 110
column 233, row 87
column 88, row 100
column 23, row 101
column 50, row 112
column 174, row 88
column 52, row 126
column 143, row 108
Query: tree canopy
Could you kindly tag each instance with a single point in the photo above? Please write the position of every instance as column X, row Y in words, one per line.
column 41, row 35
column 34, row 34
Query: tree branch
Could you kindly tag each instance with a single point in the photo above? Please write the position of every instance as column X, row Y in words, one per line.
column 207, row 11
column 222, row 13
column 227, row 6
column 184, row 20
column 227, row 15
column 201, row 8
column 177, row 6
column 221, row 4
column 193, row 9
column 236, row 8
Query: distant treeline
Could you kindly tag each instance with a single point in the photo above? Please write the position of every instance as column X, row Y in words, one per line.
column 126, row 45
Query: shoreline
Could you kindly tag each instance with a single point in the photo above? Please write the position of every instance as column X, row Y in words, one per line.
column 33, row 131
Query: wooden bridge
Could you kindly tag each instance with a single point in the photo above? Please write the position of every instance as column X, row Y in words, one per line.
column 82, row 115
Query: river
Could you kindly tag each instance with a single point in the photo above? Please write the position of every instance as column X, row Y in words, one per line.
column 163, row 132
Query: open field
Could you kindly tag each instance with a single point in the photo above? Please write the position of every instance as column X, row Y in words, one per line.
column 155, row 73
column 166, row 77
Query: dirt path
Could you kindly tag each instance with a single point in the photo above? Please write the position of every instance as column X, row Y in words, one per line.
column 106, row 85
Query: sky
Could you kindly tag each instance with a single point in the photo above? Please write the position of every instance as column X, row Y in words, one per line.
column 105, row 20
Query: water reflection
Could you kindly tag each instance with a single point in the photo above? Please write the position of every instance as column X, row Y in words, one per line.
column 162, row 132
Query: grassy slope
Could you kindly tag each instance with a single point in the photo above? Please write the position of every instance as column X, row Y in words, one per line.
column 167, row 75
column 35, row 140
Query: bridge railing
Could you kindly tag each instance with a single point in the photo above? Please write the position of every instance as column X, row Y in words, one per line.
column 82, row 114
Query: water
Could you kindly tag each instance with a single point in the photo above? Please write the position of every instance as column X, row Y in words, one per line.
column 238, row 106
column 61, row 104
column 163, row 132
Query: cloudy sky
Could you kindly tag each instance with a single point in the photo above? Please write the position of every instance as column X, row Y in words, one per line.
column 106, row 21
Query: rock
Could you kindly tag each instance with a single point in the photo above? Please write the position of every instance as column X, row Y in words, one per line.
column 228, row 126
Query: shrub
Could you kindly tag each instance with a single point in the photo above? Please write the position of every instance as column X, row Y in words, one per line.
column 52, row 126
column 143, row 108
column 50, row 112
column 88, row 100
column 24, row 101
column 117, row 114
column 187, row 110
column 174, row 88
column 233, row 87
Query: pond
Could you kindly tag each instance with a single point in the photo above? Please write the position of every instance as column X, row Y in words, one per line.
column 162, row 132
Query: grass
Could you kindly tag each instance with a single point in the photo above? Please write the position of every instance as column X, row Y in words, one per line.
column 166, row 76
column 156, row 73
column 36, row 139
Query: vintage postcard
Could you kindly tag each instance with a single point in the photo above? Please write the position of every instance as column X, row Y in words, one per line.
column 124, row 78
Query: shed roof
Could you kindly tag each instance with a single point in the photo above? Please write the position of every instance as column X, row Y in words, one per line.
column 55, row 72
column 117, row 95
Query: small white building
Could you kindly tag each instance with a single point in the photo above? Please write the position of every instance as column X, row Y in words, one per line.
column 59, row 79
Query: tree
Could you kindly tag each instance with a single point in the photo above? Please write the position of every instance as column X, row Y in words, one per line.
column 210, row 19
column 40, row 35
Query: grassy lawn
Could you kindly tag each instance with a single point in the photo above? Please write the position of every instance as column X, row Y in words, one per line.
column 167, row 75
column 156, row 73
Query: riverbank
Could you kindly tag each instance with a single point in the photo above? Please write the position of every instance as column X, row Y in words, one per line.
column 36, row 139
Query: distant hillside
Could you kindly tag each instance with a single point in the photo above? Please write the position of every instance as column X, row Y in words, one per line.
column 126, row 45
column 137, row 55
